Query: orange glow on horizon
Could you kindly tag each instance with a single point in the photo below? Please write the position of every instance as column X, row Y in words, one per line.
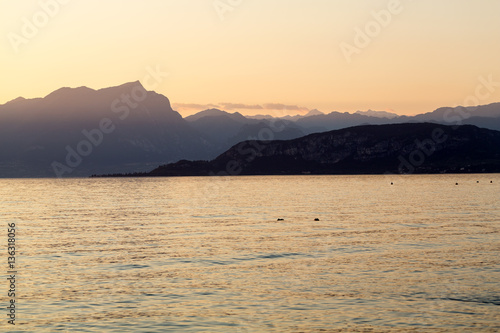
column 412, row 57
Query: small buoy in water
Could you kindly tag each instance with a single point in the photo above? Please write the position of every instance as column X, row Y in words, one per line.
column 280, row 219
column 316, row 219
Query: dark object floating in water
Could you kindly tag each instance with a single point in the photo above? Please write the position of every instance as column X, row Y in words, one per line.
column 281, row 219
column 316, row 219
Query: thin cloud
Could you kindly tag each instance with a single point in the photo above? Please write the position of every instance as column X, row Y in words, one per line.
column 231, row 106
column 279, row 106
column 272, row 109
column 201, row 107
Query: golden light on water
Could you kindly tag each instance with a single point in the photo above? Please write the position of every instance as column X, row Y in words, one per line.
column 208, row 253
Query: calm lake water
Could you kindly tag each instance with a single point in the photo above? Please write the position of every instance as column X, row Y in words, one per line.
column 209, row 254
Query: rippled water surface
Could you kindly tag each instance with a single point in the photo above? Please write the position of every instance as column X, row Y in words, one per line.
column 209, row 254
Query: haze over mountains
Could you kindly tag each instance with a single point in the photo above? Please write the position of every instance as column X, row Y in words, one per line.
column 81, row 131
column 369, row 149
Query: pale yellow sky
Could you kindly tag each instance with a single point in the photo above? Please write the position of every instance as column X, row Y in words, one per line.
column 411, row 57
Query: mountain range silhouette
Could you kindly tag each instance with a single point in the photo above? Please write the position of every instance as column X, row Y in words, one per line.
column 76, row 132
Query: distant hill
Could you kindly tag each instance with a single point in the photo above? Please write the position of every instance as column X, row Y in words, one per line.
column 287, row 117
column 379, row 114
column 397, row 148
column 338, row 120
column 308, row 114
column 225, row 129
column 127, row 129
column 218, row 127
column 236, row 116
column 448, row 114
column 487, row 116
column 76, row 132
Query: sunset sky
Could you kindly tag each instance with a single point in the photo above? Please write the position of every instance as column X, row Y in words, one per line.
column 259, row 56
